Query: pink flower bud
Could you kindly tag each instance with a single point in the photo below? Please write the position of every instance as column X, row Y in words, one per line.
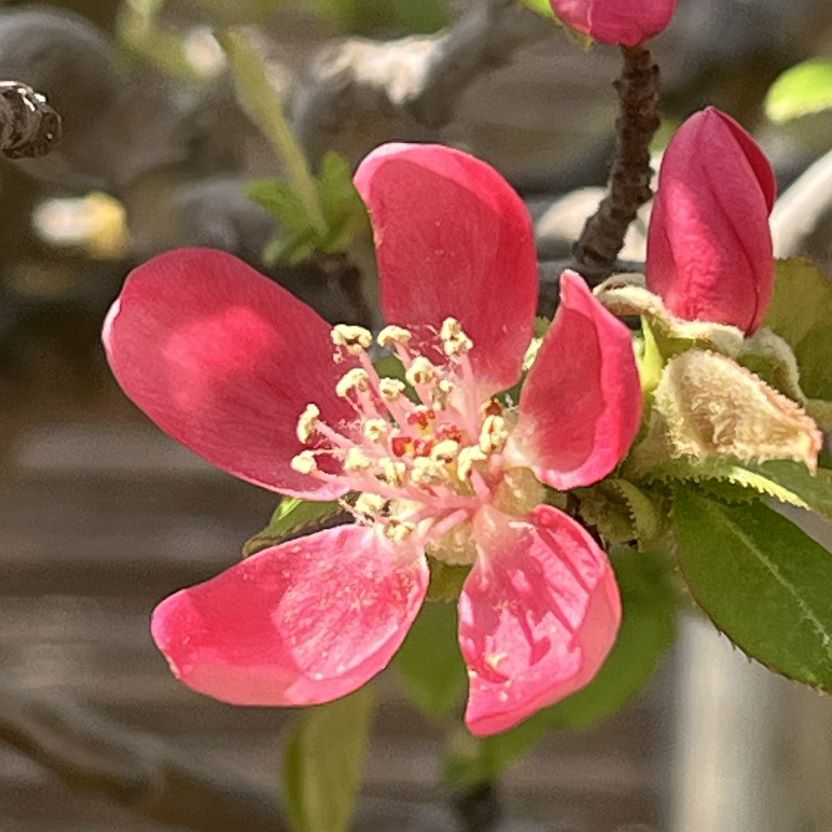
column 617, row 22
column 709, row 249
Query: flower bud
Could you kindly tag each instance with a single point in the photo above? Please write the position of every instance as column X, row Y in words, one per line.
column 709, row 249
column 617, row 22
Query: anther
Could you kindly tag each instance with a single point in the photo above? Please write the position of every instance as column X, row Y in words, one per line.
column 390, row 389
column 375, row 429
column 445, row 451
column 370, row 504
column 392, row 336
column 493, row 434
column 454, row 339
column 466, row 459
column 355, row 379
column 425, row 471
column 421, row 371
column 392, row 472
column 304, row 463
column 398, row 530
column 308, row 423
column 356, row 460
column 354, row 339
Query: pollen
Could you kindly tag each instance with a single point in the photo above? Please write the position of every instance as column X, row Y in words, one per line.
column 308, row 423
column 304, row 463
column 354, row 339
column 355, row 380
column 391, row 389
column 392, row 471
column 445, row 451
column 376, row 429
column 466, row 460
column 370, row 504
column 356, row 460
column 493, row 434
column 420, row 372
column 392, row 336
column 398, row 530
column 453, row 337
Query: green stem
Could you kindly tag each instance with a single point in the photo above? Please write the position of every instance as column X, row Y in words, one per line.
column 263, row 106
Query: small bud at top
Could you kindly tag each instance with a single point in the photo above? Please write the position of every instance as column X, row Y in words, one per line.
column 354, row 339
column 392, row 335
column 308, row 422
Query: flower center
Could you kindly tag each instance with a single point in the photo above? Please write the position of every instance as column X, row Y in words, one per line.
column 426, row 455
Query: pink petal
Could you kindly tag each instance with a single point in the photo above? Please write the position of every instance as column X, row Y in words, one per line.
column 709, row 249
column 224, row 360
column 617, row 22
column 301, row 623
column 580, row 407
column 537, row 616
column 453, row 239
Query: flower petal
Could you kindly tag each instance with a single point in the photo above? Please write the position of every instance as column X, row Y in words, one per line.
column 580, row 407
column 298, row 624
column 538, row 615
column 617, row 22
column 709, row 248
column 224, row 360
column 453, row 239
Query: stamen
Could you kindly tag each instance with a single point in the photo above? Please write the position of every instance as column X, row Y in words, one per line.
column 376, row 429
column 493, row 434
column 393, row 336
column 466, row 459
column 304, row 463
column 421, row 371
column 392, row 472
column 398, row 530
column 370, row 504
column 354, row 339
column 391, row 389
column 356, row 460
column 425, row 471
column 454, row 339
column 308, row 423
column 445, row 451
column 354, row 380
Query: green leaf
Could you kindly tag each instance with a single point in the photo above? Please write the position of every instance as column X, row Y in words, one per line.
column 263, row 106
column 543, row 7
column 801, row 314
column 344, row 210
column 429, row 665
column 322, row 763
column 802, row 90
column 291, row 516
column 647, row 630
column 280, row 201
column 784, row 480
column 762, row 581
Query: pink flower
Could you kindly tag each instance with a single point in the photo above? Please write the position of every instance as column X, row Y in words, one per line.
column 617, row 22
column 241, row 372
column 709, row 249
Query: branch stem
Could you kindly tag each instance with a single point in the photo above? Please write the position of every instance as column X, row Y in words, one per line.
column 629, row 181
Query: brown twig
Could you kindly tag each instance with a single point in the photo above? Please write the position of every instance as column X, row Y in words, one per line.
column 629, row 181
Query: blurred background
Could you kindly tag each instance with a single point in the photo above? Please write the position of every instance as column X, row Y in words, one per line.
column 101, row 515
